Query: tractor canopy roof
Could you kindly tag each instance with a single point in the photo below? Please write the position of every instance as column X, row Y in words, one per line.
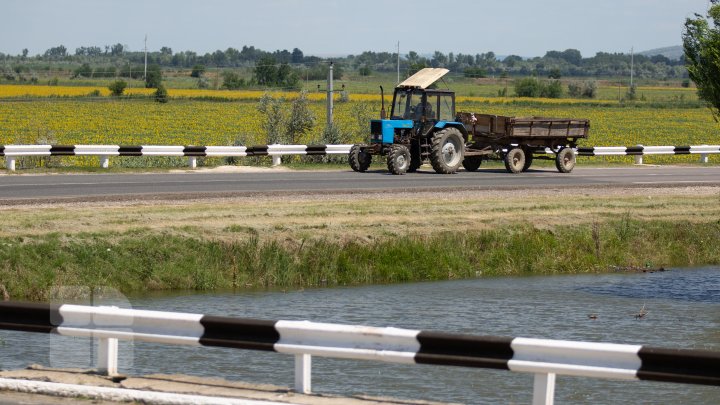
column 423, row 78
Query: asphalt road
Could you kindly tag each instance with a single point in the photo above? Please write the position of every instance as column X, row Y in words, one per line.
column 16, row 188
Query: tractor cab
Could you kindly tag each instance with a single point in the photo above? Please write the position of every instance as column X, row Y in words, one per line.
column 421, row 128
column 415, row 108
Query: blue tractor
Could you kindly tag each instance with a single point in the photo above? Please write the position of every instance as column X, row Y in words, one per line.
column 421, row 128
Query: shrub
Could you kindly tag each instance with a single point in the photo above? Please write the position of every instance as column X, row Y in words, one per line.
column 551, row 90
column 232, row 80
column 154, row 77
column 117, row 87
column 585, row 90
column 53, row 82
column 83, row 71
column 161, row 94
column 685, row 83
column 364, row 71
column 527, row 87
column 197, row 71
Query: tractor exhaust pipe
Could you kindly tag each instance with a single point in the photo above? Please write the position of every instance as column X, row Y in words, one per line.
column 382, row 100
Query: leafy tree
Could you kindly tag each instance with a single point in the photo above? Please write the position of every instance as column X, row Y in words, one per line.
column 297, row 56
column 24, row 53
column 83, row 71
column 154, row 77
column 266, row 71
column 701, row 43
column 555, row 73
column 117, row 49
column 273, row 118
column 56, row 52
column 301, row 119
column 117, row 87
column 365, row 70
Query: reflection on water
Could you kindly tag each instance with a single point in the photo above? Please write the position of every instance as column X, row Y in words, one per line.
column 683, row 311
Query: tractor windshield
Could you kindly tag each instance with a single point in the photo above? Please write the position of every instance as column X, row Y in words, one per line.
column 407, row 104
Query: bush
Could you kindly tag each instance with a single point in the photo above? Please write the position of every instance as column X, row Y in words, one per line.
column 117, row 87
column 53, row 82
column 685, row 83
column 363, row 71
column 551, row 90
column 532, row 87
column 83, row 71
column 527, row 87
column 153, row 79
column 232, row 80
column 161, row 95
column 474, row 72
column 197, row 71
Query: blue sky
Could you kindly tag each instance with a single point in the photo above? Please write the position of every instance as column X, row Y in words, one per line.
column 332, row 27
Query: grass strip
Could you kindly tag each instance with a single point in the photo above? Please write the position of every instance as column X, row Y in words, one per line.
column 144, row 260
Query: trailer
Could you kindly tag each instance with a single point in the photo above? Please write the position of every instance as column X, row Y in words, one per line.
column 517, row 141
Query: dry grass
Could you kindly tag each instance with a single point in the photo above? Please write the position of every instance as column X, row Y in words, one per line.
column 290, row 220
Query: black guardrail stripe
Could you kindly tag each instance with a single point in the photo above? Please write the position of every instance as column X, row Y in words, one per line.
column 634, row 150
column 239, row 333
column 679, row 365
column 130, row 150
column 258, row 150
column 464, row 350
column 316, row 150
column 2, row 150
column 29, row 317
column 62, row 150
column 195, row 151
column 682, row 150
column 586, row 151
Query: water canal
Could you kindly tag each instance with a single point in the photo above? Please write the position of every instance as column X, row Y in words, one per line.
column 683, row 311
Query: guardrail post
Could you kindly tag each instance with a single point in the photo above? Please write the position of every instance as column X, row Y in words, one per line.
column 703, row 158
column 104, row 161
column 303, row 373
column 544, row 389
column 10, row 163
column 192, row 162
column 277, row 160
column 107, row 356
column 639, row 158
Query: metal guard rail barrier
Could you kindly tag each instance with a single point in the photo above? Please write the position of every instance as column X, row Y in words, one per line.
column 12, row 152
column 542, row 357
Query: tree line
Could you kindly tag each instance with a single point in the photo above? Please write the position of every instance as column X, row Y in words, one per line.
column 294, row 65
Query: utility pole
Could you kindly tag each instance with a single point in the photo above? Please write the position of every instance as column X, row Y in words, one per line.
column 145, row 73
column 398, row 61
column 330, row 96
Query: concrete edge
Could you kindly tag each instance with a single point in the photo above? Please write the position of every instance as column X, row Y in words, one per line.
column 120, row 394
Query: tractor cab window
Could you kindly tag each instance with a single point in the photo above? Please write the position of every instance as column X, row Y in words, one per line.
column 444, row 110
column 407, row 105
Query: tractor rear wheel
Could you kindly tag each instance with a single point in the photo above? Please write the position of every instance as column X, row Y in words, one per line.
column 472, row 163
column 398, row 159
column 514, row 160
column 359, row 159
column 565, row 160
column 447, row 151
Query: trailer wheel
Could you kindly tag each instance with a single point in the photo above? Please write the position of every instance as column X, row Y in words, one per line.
column 415, row 158
column 359, row 159
column 447, row 151
column 514, row 160
column 565, row 160
column 398, row 159
column 528, row 161
column 472, row 163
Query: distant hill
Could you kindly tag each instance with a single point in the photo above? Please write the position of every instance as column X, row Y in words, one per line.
column 670, row 52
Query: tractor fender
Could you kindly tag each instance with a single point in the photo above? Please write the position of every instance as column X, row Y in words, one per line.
column 451, row 124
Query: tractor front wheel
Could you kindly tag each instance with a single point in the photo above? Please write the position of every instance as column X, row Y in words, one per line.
column 447, row 151
column 359, row 159
column 398, row 159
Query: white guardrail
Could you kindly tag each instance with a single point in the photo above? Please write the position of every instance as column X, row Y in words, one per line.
column 12, row 152
column 303, row 339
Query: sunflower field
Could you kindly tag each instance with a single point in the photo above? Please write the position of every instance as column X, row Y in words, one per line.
column 60, row 115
